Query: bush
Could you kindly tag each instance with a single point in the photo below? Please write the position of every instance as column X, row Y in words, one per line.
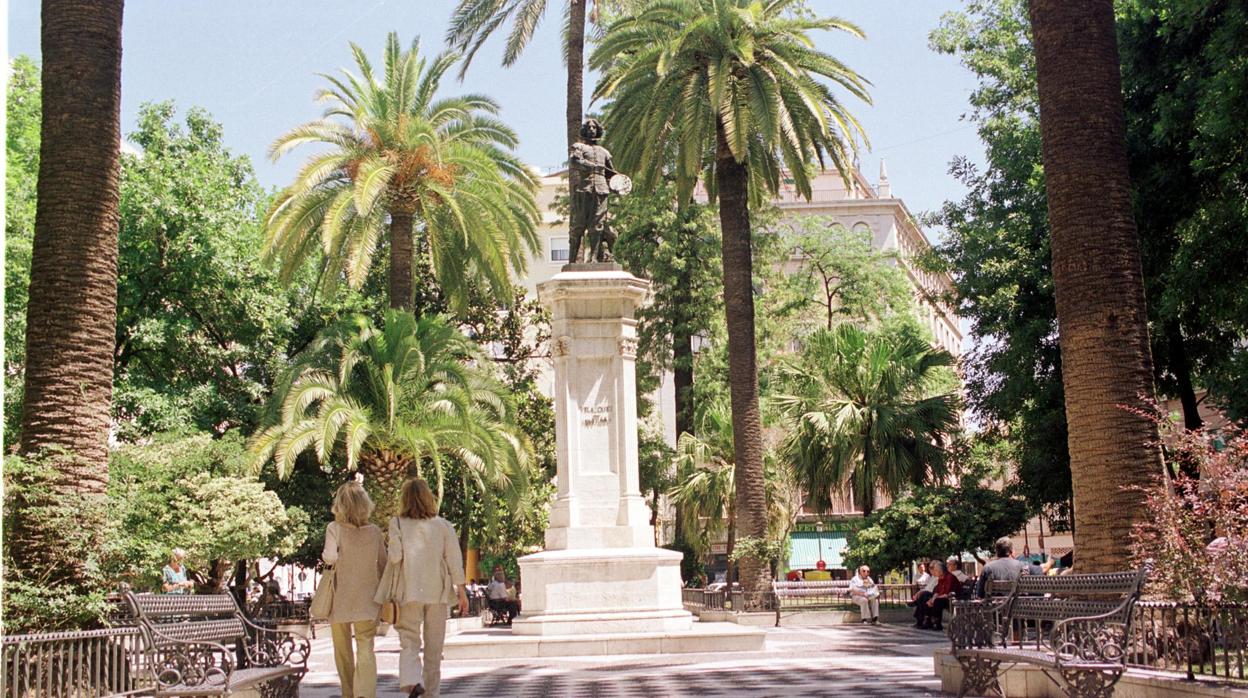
column 1197, row 533
column 48, row 584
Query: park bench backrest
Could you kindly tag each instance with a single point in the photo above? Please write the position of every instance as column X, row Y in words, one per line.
column 188, row 618
column 1045, row 598
column 811, row 588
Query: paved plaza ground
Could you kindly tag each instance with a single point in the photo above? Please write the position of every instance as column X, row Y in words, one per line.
column 835, row 660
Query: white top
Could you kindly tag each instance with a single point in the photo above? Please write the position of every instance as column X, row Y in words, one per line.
column 863, row 587
column 496, row 590
column 432, row 563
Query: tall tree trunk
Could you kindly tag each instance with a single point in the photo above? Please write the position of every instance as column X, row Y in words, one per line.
column 71, row 318
column 1102, row 318
column 1183, row 374
column 575, row 58
column 402, row 253
column 682, row 380
column 747, row 437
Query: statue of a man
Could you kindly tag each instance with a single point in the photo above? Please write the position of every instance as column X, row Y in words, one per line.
column 589, row 200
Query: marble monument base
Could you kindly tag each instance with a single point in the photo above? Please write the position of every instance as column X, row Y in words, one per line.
column 607, row 590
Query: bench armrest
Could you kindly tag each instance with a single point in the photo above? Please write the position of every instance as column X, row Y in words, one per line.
column 268, row 647
column 976, row 624
column 1089, row 639
column 190, row 663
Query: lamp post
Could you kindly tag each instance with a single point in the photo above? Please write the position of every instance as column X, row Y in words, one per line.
column 819, row 530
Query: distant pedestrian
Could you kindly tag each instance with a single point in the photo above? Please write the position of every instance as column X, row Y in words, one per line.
column 173, row 576
column 355, row 549
column 433, row 578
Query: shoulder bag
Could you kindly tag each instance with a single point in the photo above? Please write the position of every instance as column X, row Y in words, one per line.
column 390, row 589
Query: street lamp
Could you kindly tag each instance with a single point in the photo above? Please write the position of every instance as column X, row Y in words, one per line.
column 819, row 530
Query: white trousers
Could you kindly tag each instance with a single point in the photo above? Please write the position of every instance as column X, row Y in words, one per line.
column 422, row 631
column 868, row 608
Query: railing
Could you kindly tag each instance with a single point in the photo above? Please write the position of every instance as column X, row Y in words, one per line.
column 83, row 664
column 1192, row 639
column 283, row 611
column 891, row 595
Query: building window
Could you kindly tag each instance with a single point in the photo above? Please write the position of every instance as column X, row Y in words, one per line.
column 559, row 249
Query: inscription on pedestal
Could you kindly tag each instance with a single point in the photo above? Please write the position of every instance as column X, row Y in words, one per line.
column 595, row 415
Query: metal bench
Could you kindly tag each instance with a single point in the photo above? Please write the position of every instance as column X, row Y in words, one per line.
column 813, row 595
column 1075, row 626
column 190, row 646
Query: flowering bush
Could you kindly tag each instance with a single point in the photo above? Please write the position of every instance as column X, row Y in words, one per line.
column 1197, row 531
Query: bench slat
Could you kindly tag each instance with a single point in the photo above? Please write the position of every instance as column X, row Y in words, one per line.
column 224, row 631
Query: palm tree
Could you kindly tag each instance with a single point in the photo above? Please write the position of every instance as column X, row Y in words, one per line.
column 72, row 310
column 1102, row 318
column 474, row 21
column 705, row 490
column 442, row 168
column 864, row 414
column 392, row 402
column 727, row 91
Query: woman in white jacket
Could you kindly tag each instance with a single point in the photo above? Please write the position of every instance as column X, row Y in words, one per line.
column 433, row 578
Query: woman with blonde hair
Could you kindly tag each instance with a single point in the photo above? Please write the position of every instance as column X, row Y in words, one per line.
column 427, row 547
column 355, row 548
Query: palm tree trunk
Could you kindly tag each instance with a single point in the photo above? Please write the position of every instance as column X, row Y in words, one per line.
column 1102, row 318
column 575, row 57
column 71, row 318
column 384, row 473
column 401, row 255
column 747, row 438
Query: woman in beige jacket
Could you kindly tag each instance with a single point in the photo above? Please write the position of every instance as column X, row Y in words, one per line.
column 355, row 548
column 433, row 578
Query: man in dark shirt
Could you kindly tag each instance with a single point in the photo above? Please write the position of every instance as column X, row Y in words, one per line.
column 1002, row 569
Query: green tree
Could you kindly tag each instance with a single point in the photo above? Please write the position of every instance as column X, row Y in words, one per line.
column 396, row 152
column 867, row 414
column 21, row 176
column 997, row 249
column 935, row 522
column 202, row 327
column 726, row 90
column 193, row 492
column 394, row 401
column 677, row 249
column 1184, row 86
column 832, row 275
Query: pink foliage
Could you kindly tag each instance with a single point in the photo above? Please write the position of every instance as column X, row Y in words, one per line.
column 1197, row 533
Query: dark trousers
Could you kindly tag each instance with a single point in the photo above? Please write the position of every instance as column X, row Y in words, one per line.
column 930, row 615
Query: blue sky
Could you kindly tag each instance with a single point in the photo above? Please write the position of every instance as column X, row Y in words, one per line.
column 253, row 64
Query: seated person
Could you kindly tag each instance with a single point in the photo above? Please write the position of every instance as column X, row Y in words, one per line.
column 499, row 599
column 930, row 614
column 866, row 593
column 927, row 584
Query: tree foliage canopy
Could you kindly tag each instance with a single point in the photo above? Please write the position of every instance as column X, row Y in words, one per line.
column 935, row 522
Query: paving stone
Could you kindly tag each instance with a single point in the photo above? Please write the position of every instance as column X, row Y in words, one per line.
column 836, row 660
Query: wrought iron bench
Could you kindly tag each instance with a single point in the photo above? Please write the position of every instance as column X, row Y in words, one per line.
column 809, row 596
column 1075, row 626
column 190, row 646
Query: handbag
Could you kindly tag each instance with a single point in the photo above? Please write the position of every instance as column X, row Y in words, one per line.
column 390, row 588
column 323, row 600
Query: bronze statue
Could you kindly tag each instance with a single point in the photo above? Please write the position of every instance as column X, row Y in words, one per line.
column 598, row 179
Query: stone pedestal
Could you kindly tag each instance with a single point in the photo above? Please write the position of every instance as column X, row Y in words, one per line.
column 600, row 572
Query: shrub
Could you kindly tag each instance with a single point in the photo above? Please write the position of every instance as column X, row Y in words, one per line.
column 1197, row 533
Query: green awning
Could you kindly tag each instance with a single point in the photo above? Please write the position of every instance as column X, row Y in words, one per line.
column 805, row 546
